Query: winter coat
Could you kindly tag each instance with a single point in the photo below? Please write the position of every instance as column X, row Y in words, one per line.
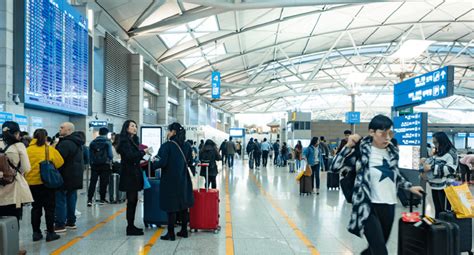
column 131, row 178
column 36, row 154
column 346, row 160
column 209, row 155
column 230, row 148
column 71, row 149
column 443, row 169
column 176, row 189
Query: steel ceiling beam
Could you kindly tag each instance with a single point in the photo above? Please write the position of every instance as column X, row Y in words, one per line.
column 155, row 5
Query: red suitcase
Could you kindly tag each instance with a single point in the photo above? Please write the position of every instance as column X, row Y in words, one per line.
column 205, row 212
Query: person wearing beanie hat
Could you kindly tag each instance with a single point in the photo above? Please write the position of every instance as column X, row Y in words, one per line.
column 14, row 195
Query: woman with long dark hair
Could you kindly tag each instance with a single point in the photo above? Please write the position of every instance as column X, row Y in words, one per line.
column 44, row 197
column 443, row 165
column 298, row 154
column 210, row 154
column 176, row 190
column 131, row 179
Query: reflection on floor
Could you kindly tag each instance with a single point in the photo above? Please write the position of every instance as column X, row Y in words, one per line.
column 267, row 217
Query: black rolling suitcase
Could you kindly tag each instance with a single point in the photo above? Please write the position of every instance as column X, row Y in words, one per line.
column 305, row 185
column 404, row 196
column 465, row 230
column 333, row 180
column 439, row 238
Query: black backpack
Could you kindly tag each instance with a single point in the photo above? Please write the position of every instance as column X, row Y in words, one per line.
column 99, row 152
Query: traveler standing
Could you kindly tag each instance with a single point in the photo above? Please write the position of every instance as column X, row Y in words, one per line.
column 276, row 151
column 101, row 156
column 343, row 142
column 257, row 153
column 17, row 193
column 210, row 155
column 325, row 151
column 298, row 154
column 442, row 166
column 284, row 153
column 223, row 151
column 131, row 178
column 70, row 146
column 265, row 146
column 375, row 189
column 176, row 190
column 314, row 158
column 230, row 150
column 201, row 144
column 45, row 198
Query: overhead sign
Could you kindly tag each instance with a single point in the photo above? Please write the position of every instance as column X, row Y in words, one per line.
column 216, row 85
column 5, row 116
column 430, row 86
column 236, row 132
column 98, row 123
column 22, row 121
column 353, row 117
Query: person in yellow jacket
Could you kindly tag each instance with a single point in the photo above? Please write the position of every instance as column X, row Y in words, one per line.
column 44, row 197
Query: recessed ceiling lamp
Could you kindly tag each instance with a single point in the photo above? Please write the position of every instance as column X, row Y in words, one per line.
column 411, row 49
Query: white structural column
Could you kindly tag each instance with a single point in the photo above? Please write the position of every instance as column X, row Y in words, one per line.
column 6, row 57
column 194, row 112
column 182, row 100
column 163, row 101
column 202, row 113
column 136, row 88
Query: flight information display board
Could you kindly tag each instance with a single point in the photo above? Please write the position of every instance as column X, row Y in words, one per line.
column 56, row 56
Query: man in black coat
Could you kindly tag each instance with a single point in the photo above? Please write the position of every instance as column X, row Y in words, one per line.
column 70, row 148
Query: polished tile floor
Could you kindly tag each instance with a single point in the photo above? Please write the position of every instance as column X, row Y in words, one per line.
column 267, row 217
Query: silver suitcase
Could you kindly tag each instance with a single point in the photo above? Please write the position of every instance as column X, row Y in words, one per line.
column 9, row 237
column 115, row 195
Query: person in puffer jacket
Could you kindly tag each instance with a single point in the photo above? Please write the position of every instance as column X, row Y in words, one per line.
column 441, row 169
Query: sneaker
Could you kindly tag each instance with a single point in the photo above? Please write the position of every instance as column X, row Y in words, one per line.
column 89, row 203
column 71, row 226
column 37, row 236
column 77, row 213
column 60, row 229
column 52, row 236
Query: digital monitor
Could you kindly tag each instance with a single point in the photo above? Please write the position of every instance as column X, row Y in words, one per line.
column 56, row 57
column 236, row 132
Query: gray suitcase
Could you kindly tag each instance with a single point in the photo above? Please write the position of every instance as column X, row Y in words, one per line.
column 115, row 195
column 9, row 237
column 305, row 185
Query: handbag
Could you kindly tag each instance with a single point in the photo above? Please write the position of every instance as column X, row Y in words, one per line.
column 308, row 171
column 461, row 200
column 194, row 180
column 50, row 176
column 146, row 182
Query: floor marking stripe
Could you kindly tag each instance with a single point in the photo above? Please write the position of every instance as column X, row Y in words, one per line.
column 87, row 233
column 229, row 241
column 290, row 222
column 151, row 242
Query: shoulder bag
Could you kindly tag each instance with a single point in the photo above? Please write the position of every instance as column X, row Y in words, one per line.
column 49, row 174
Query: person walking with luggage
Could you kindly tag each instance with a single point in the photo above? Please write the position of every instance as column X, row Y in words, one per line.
column 230, row 151
column 131, row 179
column 176, row 190
column 298, row 154
column 265, row 151
column 313, row 156
column 442, row 166
column 276, row 151
column 257, row 152
column 223, row 152
column 101, row 156
column 210, row 155
column 14, row 192
column 45, row 198
column 375, row 189
column 325, row 151
column 70, row 146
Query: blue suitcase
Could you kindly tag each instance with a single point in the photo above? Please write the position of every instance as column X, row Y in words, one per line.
column 152, row 214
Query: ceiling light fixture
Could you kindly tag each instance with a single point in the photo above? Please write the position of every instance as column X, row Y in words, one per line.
column 411, row 49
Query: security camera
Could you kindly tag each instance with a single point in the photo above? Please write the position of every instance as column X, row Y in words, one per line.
column 15, row 98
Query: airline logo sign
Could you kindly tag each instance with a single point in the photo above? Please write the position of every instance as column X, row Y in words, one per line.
column 216, row 85
column 427, row 87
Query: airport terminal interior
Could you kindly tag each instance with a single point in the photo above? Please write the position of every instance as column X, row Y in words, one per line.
column 295, row 108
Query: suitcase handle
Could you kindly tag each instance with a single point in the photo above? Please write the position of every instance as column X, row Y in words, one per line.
column 423, row 204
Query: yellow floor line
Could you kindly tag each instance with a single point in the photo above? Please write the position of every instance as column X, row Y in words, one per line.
column 290, row 222
column 88, row 232
column 229, row 241
column 151, row 242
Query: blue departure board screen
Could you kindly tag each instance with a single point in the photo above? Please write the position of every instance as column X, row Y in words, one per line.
column 56, row 56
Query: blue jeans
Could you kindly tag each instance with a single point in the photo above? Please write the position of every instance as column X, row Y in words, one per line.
column 65, row 207
column 316, row 168
column 230, row 160
column 298, row 164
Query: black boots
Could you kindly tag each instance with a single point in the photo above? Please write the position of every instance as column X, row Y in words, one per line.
column 169, row 236
column 134, row 231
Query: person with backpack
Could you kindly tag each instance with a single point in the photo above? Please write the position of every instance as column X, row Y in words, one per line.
column 101, row 156
column 265, row 151
column 14, row 164
column 44, row 197
column 257, row 153
column 70, row 146
column 230, row 151
column 209, row 154
column 377, row 180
